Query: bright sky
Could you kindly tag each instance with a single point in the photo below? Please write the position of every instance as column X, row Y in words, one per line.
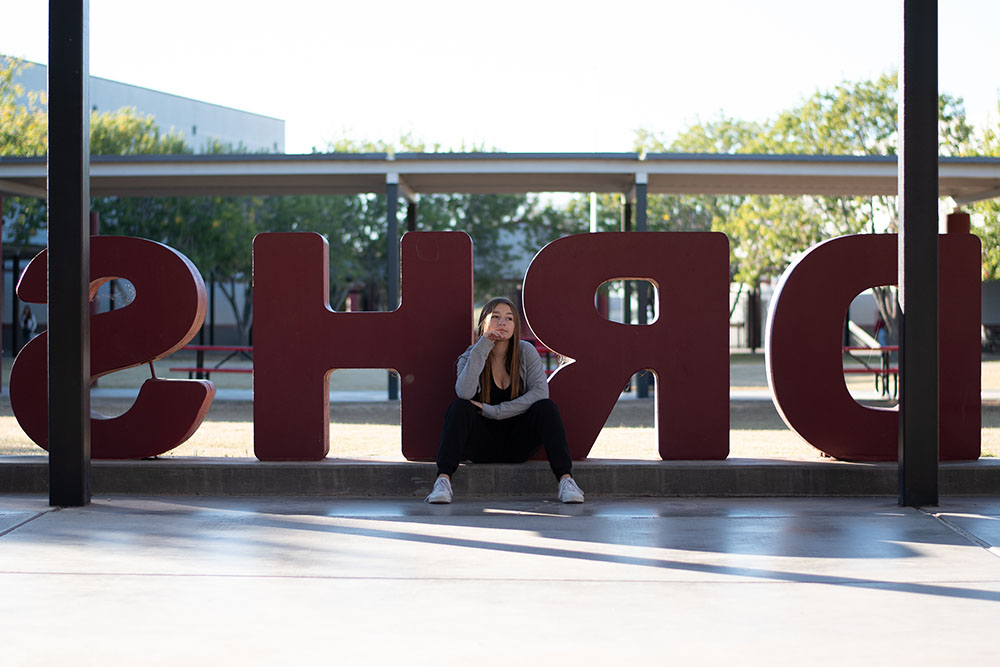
column 536, row 76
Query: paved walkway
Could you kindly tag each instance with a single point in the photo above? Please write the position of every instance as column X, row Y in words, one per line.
column 170, row 581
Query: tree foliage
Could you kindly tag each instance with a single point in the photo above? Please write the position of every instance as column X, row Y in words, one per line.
column 504, row 228
column 22, row 119
column 853, row 118
column 986, row 214
column 24, row 132
column 765, row 231
column 128, row 132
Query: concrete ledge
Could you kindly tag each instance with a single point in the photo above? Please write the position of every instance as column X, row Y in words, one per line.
column 604, row 478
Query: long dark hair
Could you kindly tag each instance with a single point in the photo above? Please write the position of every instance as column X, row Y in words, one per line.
column 512, row 362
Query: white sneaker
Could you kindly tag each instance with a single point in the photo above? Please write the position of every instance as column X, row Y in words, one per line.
column 441, row 493
column 569, row 492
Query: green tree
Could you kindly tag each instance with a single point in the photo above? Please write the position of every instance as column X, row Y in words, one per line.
column 22, row 119
column 504, row 228
column 23, row 133
column 214, row 232
column 740, row 217
column 986, row 214
column 853, row 118
column 128, row 132
column 860, row 119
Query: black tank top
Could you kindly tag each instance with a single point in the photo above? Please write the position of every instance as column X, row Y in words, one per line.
column 498, row 395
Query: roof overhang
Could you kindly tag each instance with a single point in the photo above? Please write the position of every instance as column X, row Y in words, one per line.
column 964, row 179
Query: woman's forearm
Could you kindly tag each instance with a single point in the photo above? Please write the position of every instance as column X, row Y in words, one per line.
column 470, row 366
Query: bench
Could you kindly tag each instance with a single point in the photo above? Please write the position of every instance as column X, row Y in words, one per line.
column 206, row 372
column 882, row 373
column 200, row 370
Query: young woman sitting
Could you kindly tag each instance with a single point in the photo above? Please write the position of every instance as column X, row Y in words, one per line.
column 503, row 413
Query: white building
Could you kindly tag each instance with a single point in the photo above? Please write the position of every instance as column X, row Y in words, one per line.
column 199, row 122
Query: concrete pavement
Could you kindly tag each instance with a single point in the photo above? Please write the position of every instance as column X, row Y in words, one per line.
column 195, row 580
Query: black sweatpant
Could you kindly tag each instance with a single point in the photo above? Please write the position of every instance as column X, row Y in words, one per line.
column 467, row 435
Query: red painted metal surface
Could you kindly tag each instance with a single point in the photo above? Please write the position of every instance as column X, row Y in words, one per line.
column 168, row 310
column 805, row 332
column 687, row 347
column 299, row 340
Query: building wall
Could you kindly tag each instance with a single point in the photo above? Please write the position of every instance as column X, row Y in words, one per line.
column 199, row 122
column 991, row 302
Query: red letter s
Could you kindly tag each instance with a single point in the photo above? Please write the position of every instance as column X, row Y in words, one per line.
column 168, row 310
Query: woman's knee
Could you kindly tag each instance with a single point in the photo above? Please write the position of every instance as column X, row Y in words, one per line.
column 545, row 406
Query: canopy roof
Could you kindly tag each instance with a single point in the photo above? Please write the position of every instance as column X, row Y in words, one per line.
column 963, row 179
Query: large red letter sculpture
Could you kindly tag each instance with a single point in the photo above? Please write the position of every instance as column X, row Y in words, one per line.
column 299, row 340
column 805, row 330
column 687, row 347
column 167, row 312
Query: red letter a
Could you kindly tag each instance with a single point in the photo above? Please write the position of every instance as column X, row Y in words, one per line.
column 805, row 365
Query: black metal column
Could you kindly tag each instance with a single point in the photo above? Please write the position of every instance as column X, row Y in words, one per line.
column 918, row 256
column 211, row 308
column 392, row 275
column 15, row 316
column 411, row 216
column 15, row 307
column 642, row 381
column 69, row 254
column 752, row 318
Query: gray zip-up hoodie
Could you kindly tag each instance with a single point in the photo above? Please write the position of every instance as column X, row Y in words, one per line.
column 534, row 384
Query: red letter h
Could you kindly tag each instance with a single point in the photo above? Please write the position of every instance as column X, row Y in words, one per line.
column 299, row 340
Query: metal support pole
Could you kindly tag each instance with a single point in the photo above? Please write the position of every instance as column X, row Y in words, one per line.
column 95, row 229
column 627, row 287
column 15, row 307
column 411, row 216
column 752, row 318
column 211, row 308
column 14, row 318
column 918, row 256
column 642, row 381
column 69, row 254
column 392, row 275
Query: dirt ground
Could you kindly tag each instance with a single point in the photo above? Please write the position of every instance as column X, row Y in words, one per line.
column 371, row 431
